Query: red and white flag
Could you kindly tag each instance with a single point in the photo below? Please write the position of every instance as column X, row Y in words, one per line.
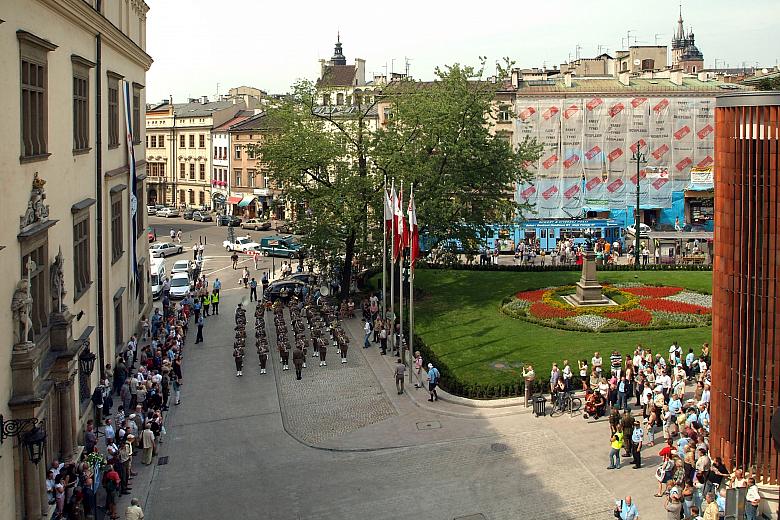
column 388, row 213
column 414, row 234
column 399, row 228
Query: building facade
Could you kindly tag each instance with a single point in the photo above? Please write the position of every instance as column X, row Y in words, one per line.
column 72, row 245
column 745, row 310
column 220, row 158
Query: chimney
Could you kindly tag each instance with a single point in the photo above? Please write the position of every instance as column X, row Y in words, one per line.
column 624, row 78
column 676, row 77
column 204, row 100
column 703, row 76
column 567, row 78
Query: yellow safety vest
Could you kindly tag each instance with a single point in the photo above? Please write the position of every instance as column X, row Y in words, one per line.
column 215, row 298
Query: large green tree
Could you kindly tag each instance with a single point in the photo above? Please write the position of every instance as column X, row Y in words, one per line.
column 440, row 137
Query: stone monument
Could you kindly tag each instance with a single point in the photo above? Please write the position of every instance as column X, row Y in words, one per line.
column 588, row 289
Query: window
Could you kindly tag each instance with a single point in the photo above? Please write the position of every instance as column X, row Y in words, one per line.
column 81, row 275
column 202, row 198
column 85, row 389
column 237, row 152
column 137, row 113
column 202, row 141
column 181, row 141
column 119, row 336
column 250, row 175
column 216, row 152
column 113, row 109
column 224, row 152
column 192, row 197
column 237, row 175
column 250, row 152
column 34, row 110
column 202, row 172
column 326, row 99
column 339, row 99
column 39, row 286
column 648, row 64
column 181, row 196
column 192, row 140
column 182, row 167
column 117, row 245
column 80, row 103
column 154, row 141
column 504, row 113
column 192, row 171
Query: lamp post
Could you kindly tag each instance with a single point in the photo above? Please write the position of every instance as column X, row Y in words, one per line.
column 30, row 431
column 640, row 159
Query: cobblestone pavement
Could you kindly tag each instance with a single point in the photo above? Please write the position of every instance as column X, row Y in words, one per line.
column 330, row 400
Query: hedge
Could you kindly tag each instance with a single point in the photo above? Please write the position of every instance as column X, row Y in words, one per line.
column 571, row 267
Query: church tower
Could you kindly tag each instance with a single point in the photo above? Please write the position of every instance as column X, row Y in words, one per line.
column 338, row 55
column 685, row 54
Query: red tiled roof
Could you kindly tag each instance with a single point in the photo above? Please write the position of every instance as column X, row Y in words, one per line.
column 337, row 76
column 227, row 124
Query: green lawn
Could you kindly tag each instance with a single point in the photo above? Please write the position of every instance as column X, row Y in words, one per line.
column 458, row 319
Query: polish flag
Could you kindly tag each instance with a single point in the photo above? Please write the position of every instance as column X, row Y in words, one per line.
column 388, row 213
column 414, row 234
column 399, row 228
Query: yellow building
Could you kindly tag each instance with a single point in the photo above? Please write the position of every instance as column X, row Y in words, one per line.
column 69, row 244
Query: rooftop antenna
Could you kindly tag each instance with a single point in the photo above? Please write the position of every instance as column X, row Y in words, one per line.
column 656, row 37
column 406, row 61
column 217, row 90
column 603, row 49
column 577, row 50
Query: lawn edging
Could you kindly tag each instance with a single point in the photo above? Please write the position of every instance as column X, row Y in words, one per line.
column 571, row 267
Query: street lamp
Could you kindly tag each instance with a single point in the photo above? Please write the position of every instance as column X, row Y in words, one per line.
column 33, row 439
column 640, row 159
column 86, row 360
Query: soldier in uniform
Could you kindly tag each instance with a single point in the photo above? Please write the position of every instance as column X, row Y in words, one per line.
column 262, row 354
column 284, row 353
column 298, row 361
column 238, row 356
column 323, row 350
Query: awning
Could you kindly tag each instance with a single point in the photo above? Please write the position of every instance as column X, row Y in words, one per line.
column 234, row 200
column 246, row 201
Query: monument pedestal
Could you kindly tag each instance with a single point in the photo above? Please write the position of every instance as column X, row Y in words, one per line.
column 588, row 289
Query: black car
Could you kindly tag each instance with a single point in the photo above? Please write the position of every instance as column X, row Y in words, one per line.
column 202, row 216
column 286, row 229
column 228, row 220
column 284, row 289
column 187, row 215
column 307, row 278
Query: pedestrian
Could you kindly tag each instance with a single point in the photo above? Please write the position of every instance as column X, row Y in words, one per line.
column 529, row 376
column 238, row 357
column 111, row 483
column 178, row 236
column 383, row 340
column 673, row 505
column 206, row 303
column 234, row 259
column 752, row 500
column 253, row 290
column 176, row 384
column 399, row 371
column 172, row 234
column 284, row 354
column 323, row 351
column 264, row 282
column 216, row 286
column 418, row 363
column 199, row 337
column 195, row 253
column 298, row 359
column 616, row 442
column 636, row 444
column 262, row 354
column 711, row 507
column 215, row 299
column 343, row 347
column 378, row 326
column 433, row 381
column 626, row 509
column 147, row 444
column 134, row 511
column 367, row 331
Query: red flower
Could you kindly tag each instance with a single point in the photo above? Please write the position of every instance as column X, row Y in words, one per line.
column 639, row 316
column 544, row 311
column 653, row 292
column 673, row 306
column 531, row 296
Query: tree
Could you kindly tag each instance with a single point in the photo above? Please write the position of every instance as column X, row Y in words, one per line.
column 319, row 157
column 443, row 139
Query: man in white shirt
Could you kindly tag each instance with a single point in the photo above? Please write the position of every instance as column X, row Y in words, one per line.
column 367, row 329
column 705, row 395
column 752, row 499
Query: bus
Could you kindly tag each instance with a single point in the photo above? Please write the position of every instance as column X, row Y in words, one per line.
column 547, row 233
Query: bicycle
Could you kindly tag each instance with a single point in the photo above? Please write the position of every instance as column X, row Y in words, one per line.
column 565, row 402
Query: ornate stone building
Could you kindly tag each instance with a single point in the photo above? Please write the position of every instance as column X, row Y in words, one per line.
column 72, row 247
column 685, row 54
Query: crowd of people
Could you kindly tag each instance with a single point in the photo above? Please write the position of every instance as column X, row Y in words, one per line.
column 645, row 394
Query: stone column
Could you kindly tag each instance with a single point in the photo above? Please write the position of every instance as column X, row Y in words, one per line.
column 66, row 418
column 32, row 485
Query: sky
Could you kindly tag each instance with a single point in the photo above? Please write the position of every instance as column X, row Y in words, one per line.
column 202, row 47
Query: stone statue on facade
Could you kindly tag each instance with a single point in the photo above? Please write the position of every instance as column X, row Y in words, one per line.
column 36, row 209
column 21, row 306
column 57, row 274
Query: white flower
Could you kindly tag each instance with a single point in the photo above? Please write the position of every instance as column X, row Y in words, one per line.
column 591, row 321
column 705, row 300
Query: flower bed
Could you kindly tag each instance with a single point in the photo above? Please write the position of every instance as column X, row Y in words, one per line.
column 703, row 300
column 552, row 297
column 674, row 306
column 638, row 316
column 531, row 296
column 546, row 312
column 591, row 321
column 653, row 292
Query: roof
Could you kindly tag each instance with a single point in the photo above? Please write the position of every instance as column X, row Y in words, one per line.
column 345, row 111
column 337, row 76
column 256, row 122
column 602, row 85
column 199, row 109
column 242, row 115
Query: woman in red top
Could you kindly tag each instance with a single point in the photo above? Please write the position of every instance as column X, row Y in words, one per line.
column 666, row 470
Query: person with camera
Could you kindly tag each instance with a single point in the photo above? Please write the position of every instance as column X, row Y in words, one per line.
column 626, row 509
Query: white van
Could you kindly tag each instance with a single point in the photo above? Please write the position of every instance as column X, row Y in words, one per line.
column 157, row 274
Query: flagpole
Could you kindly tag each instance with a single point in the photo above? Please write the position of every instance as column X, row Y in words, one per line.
column 384, row 250
column 411, row 291
column 401, row 278
column 392, row 266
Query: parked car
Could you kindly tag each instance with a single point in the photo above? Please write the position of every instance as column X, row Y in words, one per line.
column 283, row 289
column 307, row 278
column 187, row 215
column 181, row 266
column 156, row 275
column 228, row 220
column 257, row 224
column 202, row 216
column 168, row 212
column 242, row 244
column 285, row 228
column 163, row 249
column 151, row 210
column 644, row 230
column 280, row 245
column 180, row 286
